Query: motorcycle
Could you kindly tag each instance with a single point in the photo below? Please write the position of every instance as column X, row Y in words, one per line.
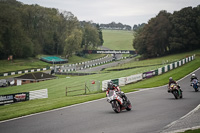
column 176, row 91
column 195, row 84
column 118, row 103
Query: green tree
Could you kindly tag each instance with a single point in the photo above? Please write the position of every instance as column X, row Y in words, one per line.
column 100, row 34
column 13, row 38
column 73, row 43
column 152, row 40
column 183, row 36
column 91, row 38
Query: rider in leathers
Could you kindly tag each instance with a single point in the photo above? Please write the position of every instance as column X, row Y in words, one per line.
column 192, row 78
column 117, row 89
column 171, row 81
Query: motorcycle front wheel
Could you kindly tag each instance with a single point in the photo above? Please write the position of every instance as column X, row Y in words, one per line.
column 175, row 93
column 116, row 106
column 196, row 88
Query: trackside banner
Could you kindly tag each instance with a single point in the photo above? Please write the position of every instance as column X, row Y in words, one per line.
column 12, row 98
column 133, row 78
column 109, row 52
column 24, row 96
column 149, row 74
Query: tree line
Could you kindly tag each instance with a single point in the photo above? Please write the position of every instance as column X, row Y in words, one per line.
column 29, row 30
column 169, row 33
column 137, row 27
column 115, row 26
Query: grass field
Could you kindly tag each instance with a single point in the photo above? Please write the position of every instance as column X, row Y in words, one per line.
column 118, row 40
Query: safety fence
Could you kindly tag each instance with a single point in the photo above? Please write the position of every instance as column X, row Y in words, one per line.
column 90, row 87
column 137, row 77
column 23, row 96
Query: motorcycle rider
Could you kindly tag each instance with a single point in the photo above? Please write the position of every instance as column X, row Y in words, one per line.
column 171, row 81
column 192, row 78
column 116, row 88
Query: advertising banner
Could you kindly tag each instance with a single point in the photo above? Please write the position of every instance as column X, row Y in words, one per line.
column 109, row 52
column 12, row 98
column 133, row 78
column 38, row 94
column 148, row 74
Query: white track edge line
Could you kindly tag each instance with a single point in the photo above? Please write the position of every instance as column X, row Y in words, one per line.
column 183, row 130
column 185, row 116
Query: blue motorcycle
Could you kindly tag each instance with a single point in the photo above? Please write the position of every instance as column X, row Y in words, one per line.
column 195, row 84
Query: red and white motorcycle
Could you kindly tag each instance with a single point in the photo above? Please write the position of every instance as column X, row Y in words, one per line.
column 118, row 103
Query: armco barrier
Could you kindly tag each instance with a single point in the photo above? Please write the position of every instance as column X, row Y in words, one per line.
column 122, row 81
column 159, row 71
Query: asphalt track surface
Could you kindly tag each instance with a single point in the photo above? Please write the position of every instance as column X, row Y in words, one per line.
column 153, row 109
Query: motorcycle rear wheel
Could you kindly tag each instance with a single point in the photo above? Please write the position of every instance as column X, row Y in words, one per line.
column 129, row 106
column 181, row 95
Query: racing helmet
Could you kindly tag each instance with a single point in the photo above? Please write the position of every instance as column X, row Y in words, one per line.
column 110, row 84
column 193, row 74
column 170, row 79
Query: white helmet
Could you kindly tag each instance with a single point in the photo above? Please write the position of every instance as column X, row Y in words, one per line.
column 193, row 74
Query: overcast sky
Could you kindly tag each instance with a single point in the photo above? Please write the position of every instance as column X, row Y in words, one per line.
column 124, row 11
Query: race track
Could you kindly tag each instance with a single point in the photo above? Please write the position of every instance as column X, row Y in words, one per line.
column 153, row 109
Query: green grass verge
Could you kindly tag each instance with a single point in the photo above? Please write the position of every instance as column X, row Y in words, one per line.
column 193, row 131
column 57, row 87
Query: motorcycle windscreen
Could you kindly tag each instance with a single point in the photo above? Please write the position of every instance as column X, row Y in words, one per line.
column 111, row 93
column 194, row 81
